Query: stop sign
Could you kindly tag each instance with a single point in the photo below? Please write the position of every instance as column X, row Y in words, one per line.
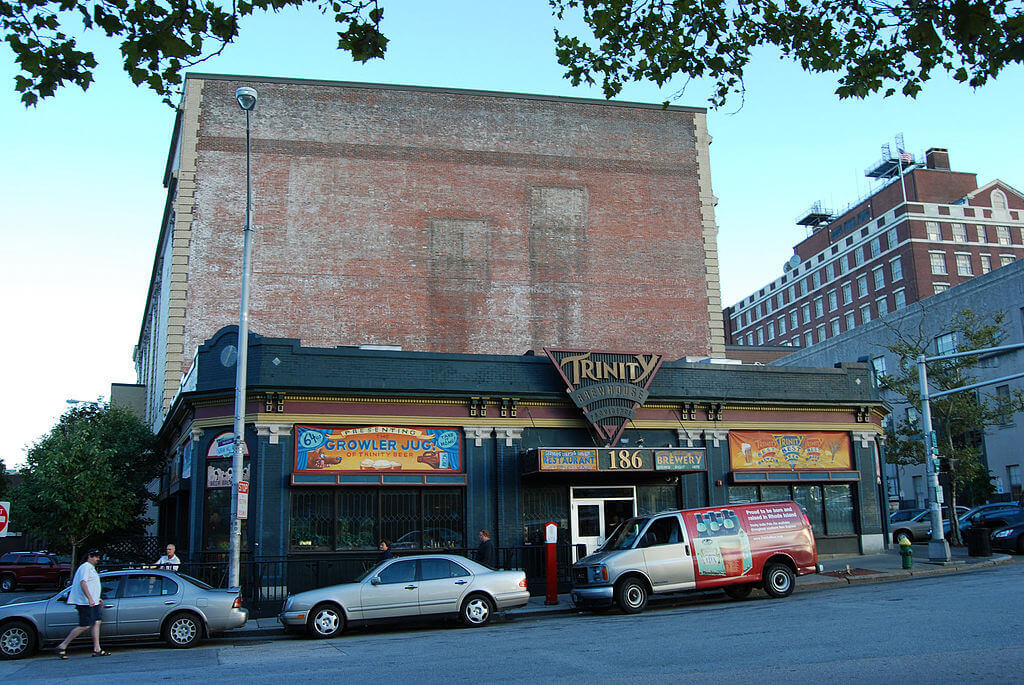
column 5, row 509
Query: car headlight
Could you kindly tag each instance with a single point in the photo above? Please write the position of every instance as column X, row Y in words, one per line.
column 598, row 573
column 1004, row 533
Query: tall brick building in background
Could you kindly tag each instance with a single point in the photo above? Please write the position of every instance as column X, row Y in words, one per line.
column 882, row 253
column 433, row 220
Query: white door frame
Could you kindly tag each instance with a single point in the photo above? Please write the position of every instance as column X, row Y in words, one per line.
column 593, row 542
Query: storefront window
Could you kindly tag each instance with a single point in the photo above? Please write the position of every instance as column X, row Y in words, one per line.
column 357, row 514
column 312, row 511
column 442, row 519
column 809, row 499
column 743, row 494
column 217, row 507
column 650, row 499
column 775, row 493
column 543, row 504
column 839, row 510
column 829, row 508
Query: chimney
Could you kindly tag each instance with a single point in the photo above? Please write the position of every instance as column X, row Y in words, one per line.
column 937, row 158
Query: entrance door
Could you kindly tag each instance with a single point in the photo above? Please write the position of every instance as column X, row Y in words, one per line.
column 596, row 512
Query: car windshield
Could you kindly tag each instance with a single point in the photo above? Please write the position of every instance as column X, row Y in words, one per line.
column 367, row 573
column 904, row 515
column 625, row 534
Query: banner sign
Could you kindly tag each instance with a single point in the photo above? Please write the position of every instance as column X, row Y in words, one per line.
column 763, row 450
column 616, row 459
column 223, row 446
column 410, row 449
column 607, row 386
column 221, row 478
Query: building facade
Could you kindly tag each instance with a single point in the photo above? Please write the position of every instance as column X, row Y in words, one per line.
column 1002, row 291
column 434, row 220
column 924, row 232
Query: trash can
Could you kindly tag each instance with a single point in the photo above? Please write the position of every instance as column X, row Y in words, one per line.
column 978, row 542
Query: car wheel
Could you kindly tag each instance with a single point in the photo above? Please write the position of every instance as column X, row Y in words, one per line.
column 63, row 581
column 738, row 591
column 477, row 611
column 325, row 621
column 183, row 630
column 17, row 640
column 7, row 584
column 631, row 596
column 778, row 580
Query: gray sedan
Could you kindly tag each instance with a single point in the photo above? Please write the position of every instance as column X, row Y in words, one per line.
column 408, row 586
column 136, row 604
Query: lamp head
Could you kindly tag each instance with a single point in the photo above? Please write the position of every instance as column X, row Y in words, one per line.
column 246, row 97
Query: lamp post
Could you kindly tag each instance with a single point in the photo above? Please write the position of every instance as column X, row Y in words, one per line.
column 246, row 98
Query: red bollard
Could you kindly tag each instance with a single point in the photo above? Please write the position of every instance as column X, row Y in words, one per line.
column 550, row 541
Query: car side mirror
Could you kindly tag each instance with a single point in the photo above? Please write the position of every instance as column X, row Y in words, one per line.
column 375, row 580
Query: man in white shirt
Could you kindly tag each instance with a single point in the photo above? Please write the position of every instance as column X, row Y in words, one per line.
column 169, row 561
column 85, row 596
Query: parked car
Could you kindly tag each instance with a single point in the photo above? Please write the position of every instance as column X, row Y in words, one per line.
column 736, row 548
column 1010, row 538
column 32, row 568
column 136, row 604
column 904, row 515
column 919, row 527
column 408, row 586
column 978, row 515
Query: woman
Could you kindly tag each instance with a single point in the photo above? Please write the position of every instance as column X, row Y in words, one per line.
column 385, row 551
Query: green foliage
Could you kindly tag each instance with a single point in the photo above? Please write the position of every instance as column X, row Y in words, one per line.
column 886, row 47
column 959, row 419
column 4, row 481
column 87, row 477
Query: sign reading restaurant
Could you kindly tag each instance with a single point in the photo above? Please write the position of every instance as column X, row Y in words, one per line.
column 607, row 386
column 577, row 459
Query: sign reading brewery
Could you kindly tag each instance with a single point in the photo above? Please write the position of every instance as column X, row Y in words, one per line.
column 553, row 459
column 607, row 386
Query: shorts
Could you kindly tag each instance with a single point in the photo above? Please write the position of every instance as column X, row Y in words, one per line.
column 88, row 615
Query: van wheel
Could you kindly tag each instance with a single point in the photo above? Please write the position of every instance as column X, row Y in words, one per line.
column 738, row 591
column 778, row 580
column 326, row 621
column 631, row 596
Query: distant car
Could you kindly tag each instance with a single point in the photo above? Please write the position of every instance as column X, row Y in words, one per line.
column 408, row 586
column 985, row 515
column 136, row 604
column 919, row 527
column 32, row 568
column 904, row 515
column 1011, row 537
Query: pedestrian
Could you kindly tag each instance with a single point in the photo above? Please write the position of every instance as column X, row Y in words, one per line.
column 169, row 561
column 486, row 553
column 385, row 551
column 85, row 596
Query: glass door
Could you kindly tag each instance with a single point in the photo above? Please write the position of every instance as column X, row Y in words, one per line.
column 595, row 512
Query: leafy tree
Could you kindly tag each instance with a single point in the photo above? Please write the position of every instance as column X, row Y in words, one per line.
column 4, row 483
column 885, row 46
column 959, row 419
column 87, row 477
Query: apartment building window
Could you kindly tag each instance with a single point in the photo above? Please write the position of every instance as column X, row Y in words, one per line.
column 876, row 247
column 793, row 321
column 883, row 306
column 986, row 263
column 833, row 301
column 940, row 288
column 819, row 308
column 865, row 313
column 792, row 293
column 932, row 227
column 1005, row 259
column 938, row 262
column 892, row 239
column 963, row 265
column 1003, row 405
column 946, row 344
column 982, row 237
column 847, row 293
column 768, row 306
column 959, row 233
column 858, row 256
column 817, row 279
column 1013, row 476
column 771, row 331
column 896, row 269
column 830, row 271
column 760, row 336
column 821, row 333
column 851, row 321
column 1002, row 235
column 805, row 312
column 750, row 338
column 834, row 325
column 919, row 492
column 782, row 325
column 862, row 286
column 899, row 298
column 808, row 338
column 877, row 368
column 879, row 277
column 841, row 265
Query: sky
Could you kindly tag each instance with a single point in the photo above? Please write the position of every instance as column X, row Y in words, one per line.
column 81, row 194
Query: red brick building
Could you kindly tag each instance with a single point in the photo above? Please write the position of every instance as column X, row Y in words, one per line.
column 883, row 253
column 435, row 220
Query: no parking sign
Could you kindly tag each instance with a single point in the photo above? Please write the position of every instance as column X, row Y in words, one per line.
column 5, row 516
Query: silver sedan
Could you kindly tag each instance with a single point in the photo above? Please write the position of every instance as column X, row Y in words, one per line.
column 136, row 604
column 408, row 586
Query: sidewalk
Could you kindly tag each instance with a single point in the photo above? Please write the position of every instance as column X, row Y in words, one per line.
column 839, row 571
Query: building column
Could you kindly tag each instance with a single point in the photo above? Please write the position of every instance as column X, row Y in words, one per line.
column 266, row 498
column 510, row 517
column 480, row 479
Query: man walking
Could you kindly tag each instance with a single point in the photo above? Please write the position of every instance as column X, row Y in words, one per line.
column 85, row 596
column 486, row 553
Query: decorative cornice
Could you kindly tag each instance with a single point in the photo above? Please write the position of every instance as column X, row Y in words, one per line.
column 478, row 434
column 688, row 435
column 716, row 436
column 273, row 430
column 509, row 433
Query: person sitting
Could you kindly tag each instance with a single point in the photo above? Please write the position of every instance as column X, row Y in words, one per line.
column 169, row 561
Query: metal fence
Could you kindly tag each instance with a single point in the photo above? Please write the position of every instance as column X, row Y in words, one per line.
column 267, row 581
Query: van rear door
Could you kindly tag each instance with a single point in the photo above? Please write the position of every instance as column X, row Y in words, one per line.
column 667, row 554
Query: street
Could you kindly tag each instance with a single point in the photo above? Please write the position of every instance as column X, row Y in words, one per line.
column 963, row 627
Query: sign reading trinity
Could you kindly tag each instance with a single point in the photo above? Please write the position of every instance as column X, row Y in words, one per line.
column 607, row 386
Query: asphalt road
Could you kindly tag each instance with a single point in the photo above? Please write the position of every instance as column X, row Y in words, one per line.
column 964, row 627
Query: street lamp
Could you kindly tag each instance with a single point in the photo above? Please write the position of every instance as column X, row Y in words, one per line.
column 246, row 98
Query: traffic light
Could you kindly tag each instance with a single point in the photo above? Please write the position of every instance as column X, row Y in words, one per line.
column 943, row 464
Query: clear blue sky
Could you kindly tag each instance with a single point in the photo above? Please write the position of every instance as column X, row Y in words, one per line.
column 81, row 195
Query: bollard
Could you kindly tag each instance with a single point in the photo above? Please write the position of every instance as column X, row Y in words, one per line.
column 906, row 552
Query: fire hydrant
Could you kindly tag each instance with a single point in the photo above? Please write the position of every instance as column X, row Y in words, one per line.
column 906, row 552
